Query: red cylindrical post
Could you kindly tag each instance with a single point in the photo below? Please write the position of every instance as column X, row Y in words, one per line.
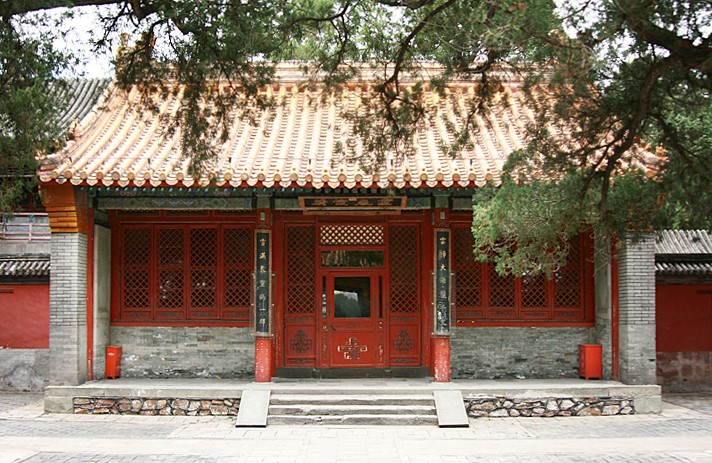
column 441, row 359
column 263, row 360
column 113, row 362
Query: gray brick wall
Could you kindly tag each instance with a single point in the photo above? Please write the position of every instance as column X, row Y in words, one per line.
column 24, row 247
column 68, row 285
column 187, row 352
column 636, row 280
column 494, row 353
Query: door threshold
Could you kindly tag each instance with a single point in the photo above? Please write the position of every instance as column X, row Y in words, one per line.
column 346, row 373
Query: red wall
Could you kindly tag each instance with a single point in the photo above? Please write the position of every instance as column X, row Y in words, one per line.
column 684, row 318
column 24, row 316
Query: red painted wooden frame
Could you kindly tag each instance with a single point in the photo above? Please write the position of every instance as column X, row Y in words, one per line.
column 186, row 221
column 516, row 312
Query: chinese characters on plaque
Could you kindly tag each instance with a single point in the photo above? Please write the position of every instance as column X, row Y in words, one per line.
column 352, row 203
column 263, row 281
column 442, row 282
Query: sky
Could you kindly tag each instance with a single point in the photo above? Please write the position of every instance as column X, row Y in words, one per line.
column 82, row 27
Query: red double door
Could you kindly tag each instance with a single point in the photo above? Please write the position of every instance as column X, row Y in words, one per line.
column 353, row 304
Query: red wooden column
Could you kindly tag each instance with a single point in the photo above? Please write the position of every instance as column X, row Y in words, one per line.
column 442, row 292
column 263, row 292
column 615, row 314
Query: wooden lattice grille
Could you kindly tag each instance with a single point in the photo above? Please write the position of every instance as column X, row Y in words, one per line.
column 175, row 272
column 568, row 280
column 404, row 267
column 170, row 270
column 237, row 262
column 468, row 278
column 301, row 269
column 482, row 295
column 351, row 235
column 137, row 271
column 203, row 272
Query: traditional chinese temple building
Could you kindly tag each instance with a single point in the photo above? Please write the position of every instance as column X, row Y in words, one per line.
column 283, row 259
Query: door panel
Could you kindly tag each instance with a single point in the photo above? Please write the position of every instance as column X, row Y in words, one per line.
column 404, row 297
column 301, row 340
column 352, row 333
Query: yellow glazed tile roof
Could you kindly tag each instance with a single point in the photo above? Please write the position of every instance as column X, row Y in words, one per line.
column 291, row 147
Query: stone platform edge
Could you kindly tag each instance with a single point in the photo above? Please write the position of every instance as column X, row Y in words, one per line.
column 639, row 399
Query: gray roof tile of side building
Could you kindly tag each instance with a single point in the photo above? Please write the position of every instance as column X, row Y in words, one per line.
column 24, row 266
column 683, row 268
column 77, row 98
column 683, row 253
column 684, row 242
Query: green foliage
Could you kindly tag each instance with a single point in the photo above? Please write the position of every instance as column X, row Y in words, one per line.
column 27, row 127
column 685, row 186
column 526, row 228
column 608, row 81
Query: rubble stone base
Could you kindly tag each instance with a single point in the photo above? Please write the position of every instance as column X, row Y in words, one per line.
column 155, row 406
column 548, row 407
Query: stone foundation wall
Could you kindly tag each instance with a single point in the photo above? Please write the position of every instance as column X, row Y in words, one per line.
column 185, row 352
column 548, row 407
column 500, row 353
column 684, row 371
column 24, row 369
column 155, row 406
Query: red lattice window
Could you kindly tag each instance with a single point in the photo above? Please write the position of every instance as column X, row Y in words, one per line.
column 136, row 295
column 468, row 274
column 237, row 279
column 351, row 235
column 301, row 269
column 171, row 260
column 482, row 295
column 203, row 271
column 568, row 280
column 175, row 273
column 501, row 295
column 404, row 266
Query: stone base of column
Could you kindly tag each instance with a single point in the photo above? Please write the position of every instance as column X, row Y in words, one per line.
column 263, row 360
column 441, row 359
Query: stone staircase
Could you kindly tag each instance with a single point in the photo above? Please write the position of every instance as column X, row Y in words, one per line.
column 352, row 408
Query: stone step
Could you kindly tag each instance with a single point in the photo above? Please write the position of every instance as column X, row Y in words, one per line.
column 342, row 409
column 357, row 408
column 380, row 419
column 352, row 399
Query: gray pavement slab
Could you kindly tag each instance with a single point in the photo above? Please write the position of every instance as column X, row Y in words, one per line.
column 681, row 433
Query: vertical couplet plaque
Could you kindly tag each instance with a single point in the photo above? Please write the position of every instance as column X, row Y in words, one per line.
column 442, row 284
column 263, row 286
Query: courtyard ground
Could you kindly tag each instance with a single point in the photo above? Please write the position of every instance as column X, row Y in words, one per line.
column 681, row 433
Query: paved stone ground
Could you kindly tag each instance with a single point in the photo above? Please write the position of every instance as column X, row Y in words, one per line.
column 682, row 433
